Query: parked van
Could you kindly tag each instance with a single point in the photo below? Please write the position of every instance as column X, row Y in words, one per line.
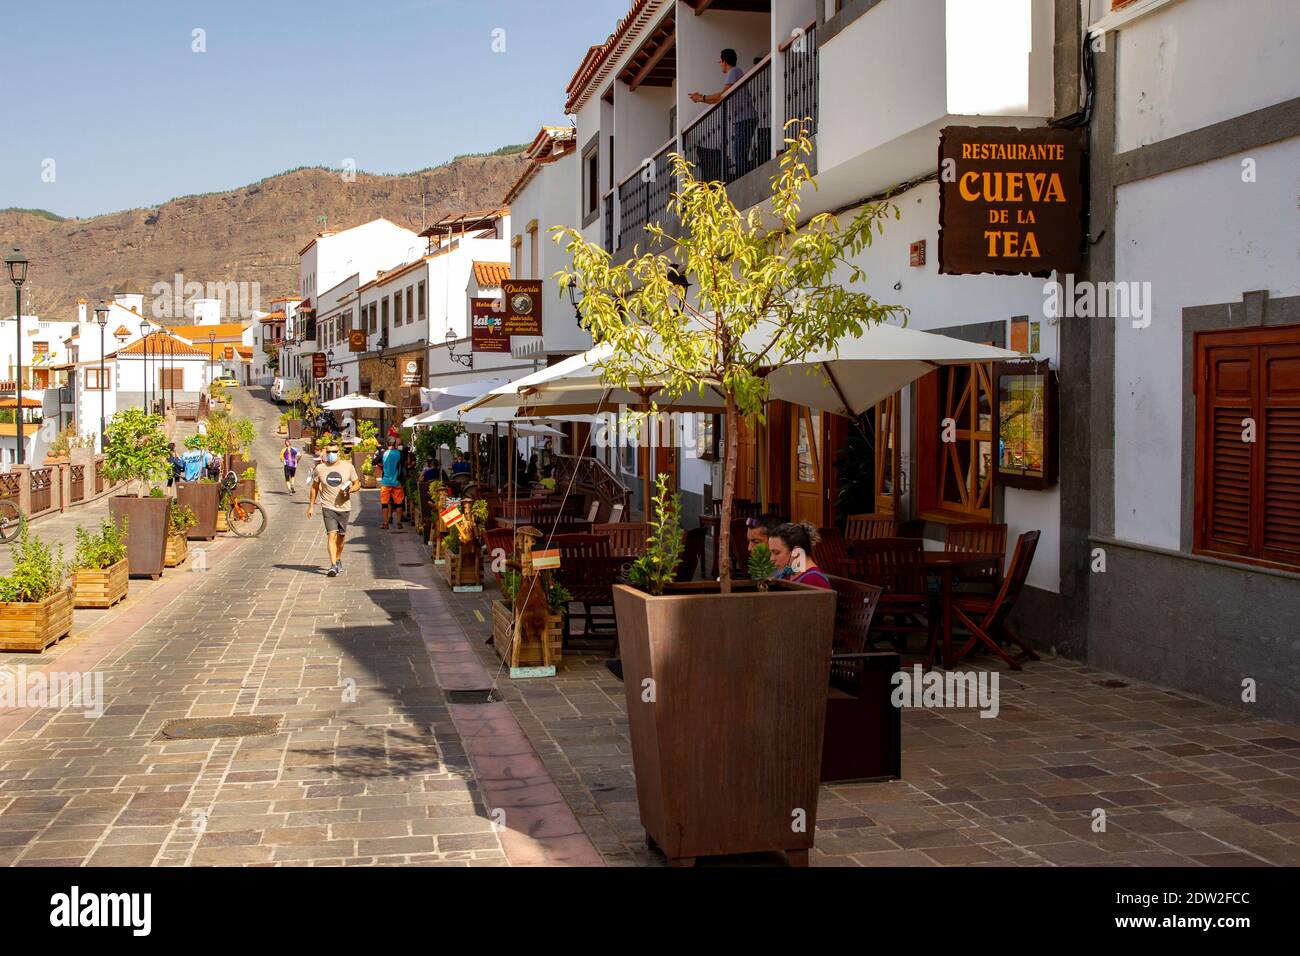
column 278, row 389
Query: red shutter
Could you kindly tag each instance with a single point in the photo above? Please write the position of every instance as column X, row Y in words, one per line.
column 1228, row 400
column 1280, row 440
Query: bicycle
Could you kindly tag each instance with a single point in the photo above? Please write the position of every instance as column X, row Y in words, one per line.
column 9, row 520
column 244, row 517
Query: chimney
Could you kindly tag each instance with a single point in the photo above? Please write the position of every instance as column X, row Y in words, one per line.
column 81, row 312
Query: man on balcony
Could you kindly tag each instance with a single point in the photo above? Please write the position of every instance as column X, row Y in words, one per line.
column 741, row 116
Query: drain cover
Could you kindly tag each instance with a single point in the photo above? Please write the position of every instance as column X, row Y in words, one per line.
column 484, row 696
column 208, row 728
column 1112, row 683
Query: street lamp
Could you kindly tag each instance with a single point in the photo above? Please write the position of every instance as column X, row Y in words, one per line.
column 465, row 358
column 144, row 339
column 17, row 265
column 101, row 317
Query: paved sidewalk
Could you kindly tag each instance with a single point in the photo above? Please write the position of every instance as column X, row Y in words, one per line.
column 369, row 765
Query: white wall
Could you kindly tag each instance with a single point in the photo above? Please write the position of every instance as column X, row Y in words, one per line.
column 701, row 39
column 1233, row 238
column 1198, row 62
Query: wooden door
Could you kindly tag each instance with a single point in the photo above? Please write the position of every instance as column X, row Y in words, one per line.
column 807, row 467
column 887, row 434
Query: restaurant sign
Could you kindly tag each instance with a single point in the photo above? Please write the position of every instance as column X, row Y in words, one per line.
column 523, row 300
column 319, row 365
column 412, row 372
column 357, row 340
column 487, row 325
column 1011, row 201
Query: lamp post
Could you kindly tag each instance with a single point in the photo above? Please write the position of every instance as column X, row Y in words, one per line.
column 17, row 265
column 144, row 339
column 101, row 317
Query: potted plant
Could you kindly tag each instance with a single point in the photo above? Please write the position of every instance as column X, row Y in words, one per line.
column 60, row 449
column 530, row 640
column 283, row 427
column 294, row 396
column 179, row 523
column 35, row 601
column 199, row 497
column 735, row 298
column 247, row 487
column 99, row 575
column 136, row 451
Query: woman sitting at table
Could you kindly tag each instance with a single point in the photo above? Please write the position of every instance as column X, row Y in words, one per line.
column 792, row 546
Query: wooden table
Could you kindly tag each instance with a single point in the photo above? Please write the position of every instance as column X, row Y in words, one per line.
column 947, row 564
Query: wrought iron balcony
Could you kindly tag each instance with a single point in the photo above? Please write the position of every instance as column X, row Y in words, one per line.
column 643, row 196
column 735, row 136
column 800, row 60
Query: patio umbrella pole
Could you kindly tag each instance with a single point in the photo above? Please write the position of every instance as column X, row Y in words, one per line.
column 649, row 462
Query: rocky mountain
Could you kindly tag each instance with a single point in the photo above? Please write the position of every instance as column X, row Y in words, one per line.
column 251, row 234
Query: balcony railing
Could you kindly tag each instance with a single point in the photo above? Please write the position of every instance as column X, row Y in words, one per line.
column 643, row 196
column 608, row 236
column 801, row 77
column 735, row 136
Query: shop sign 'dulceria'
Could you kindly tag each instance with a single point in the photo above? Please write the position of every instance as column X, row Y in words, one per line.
column 1011, row 201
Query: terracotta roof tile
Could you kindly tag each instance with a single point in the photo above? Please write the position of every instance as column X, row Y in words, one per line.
column 490, row 275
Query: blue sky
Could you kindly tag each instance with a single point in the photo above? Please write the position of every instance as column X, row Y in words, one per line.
column 114, row 94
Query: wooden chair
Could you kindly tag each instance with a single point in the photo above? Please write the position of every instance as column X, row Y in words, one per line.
column 503, row 538
column 898, row 566
column 833, row 557
column 869, row 527
column 588, row 570
column 980, row 538
column 986, row 617
column 692, row 554
column 616, row 514
column 593, row 510
column 744, row 508
column 863, row 738
column 626, row 539
column 740, row 546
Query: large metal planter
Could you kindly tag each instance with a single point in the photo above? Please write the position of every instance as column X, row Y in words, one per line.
column 726, row 702
column 201, row 497
column 146, row 532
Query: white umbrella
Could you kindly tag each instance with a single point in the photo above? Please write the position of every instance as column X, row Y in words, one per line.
column 349, row 403
column 850, row 381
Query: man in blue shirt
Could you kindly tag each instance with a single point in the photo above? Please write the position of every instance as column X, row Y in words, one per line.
column 195, row 462
column 392, row 497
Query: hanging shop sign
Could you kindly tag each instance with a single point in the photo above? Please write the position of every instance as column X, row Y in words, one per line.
column 319, row 365
column 523, row 300
column 412, row 372
column 357, row 340
column 1011, row 201
column 487, row 324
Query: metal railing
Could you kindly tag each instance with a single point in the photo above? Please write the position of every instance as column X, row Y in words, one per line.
column 608, row 202
column 735, row 136
column 643, row 196
column 801, row 78
column 41, row 490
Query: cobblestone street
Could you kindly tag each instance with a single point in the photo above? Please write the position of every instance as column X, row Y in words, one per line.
column 372, row 765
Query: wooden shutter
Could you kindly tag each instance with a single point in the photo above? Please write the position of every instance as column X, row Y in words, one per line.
column 1230, row 388
column 1279, row 498
column 1248, row 493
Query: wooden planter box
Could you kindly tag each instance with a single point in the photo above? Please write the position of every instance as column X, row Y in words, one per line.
column 223, row 526
column 201, row 498
column 464, row 569
column 100, row 587
column 146, row 533
column 177, row 550
column 34, row 627
column 368, row 481
column 526, row 660
column 730, row 746
column 281, row 429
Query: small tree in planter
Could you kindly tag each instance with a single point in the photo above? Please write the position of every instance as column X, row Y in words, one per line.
column 460, row 547
column 100, row 575
column 35, row 601
column 364, row 451
column 766, row 296
column 136, row 451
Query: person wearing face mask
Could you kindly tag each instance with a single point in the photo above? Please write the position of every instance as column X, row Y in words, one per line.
column 334, row 482
column 792, row 548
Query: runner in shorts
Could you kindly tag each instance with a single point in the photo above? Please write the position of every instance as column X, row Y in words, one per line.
column 334, row 482
column 392, row 496
column 289, row 458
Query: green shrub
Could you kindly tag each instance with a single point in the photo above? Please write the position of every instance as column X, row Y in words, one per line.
column 761, row 567
column 101, row 549
column 656, row 567
column 38, row 570
column 136, row 448
column 181, row 519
